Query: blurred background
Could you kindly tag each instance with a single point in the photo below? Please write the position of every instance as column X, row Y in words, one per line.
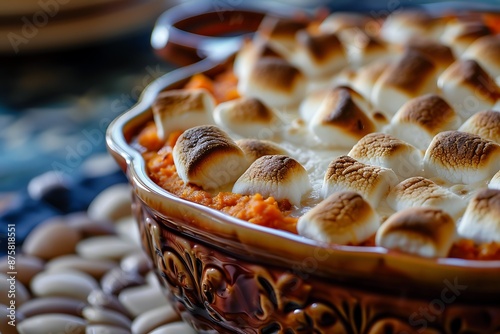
column 67, row 68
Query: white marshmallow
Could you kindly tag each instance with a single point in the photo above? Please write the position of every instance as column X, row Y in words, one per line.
column 278, row 176
column 485, row 124
column 460, row 34
column 343, row 218
column 411, row 76
column 247, row 117
column 481, row 221
column 427, row 232
column 182, row 109
column 207, row 157
column 255, row 148
column 384, row 150
column 486, row 50
column 460, row 157
column 468, row 88
column 275, row 82
column 421, row 118
column 318, row 54
column 347, row 174
column 340, row 120
column 421, row 192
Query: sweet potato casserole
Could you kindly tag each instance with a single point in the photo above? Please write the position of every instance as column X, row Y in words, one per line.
column 346, row 130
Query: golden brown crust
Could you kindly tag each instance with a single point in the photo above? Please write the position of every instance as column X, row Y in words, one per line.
column 420, row 221
column 275, row 74
column 340, row 110
column 485, row 124
column 348, row 170
column 439, row 53
column 486, row 202
column 273, row 168
column 430, row 111
column 322, row 46
column 202, row 143
column 254, row 148
column 410, row 73
column 470, row 73
column 472, row 31
column 458, row 150
column 249, row 109
column 177, row 102
column 345, row 209
column 378, row 144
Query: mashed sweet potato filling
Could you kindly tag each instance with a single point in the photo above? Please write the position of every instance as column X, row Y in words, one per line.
column 254, row 209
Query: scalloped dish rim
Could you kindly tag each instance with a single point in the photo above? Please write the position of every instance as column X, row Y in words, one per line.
column 429, row 270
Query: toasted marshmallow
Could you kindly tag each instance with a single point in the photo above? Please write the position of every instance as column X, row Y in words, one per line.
column 485, row 124
column 411, row 76
column 495, row 181
column 318, row 54
column 280, row 32
column 467, row 87
column 459, row 34
column 402, row 26
column 182, row 109
column 275, row 82
column 384, row 150
column 460, row 157
column 278, row 176
column 362, row 48
column 247, row 117
column 368, row 75
column 485, row 51
column 250, row 53
column 481, row 221
column 207, row 157
column 421, row 192
column 427, row 232
column 254, row 148
column 421, row 118
column 343, row 218
column 440, row 54
column 347, row 174
column 339, row 21
column 311, row 103
column 340, row 121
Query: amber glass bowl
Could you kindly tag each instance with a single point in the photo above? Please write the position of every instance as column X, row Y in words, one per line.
column 229, row 276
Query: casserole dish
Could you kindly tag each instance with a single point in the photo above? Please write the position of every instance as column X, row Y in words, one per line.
column 226, row 275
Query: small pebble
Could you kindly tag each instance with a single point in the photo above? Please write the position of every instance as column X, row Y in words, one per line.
column 6, row 316
column 87, row 227
column 115, row 280
column 72, row 284
column 41, row 241
column 113, row 203
column 52, row 188
column 52, row 305
column 149, row 320
column 102, row 316
column 137, row 262
column 105, row 248
column 152, row 279
column 138, row 300
column 8, row 286
column 95, row 268
column 99, row 298
column 128, row 229
column 26, row 267
column 174, row 328
column 105, row 329
column 52, row 323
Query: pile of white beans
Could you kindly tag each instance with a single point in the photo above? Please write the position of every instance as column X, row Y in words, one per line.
column 86, row 273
